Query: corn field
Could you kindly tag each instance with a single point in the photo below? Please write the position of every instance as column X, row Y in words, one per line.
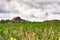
column 30, row 31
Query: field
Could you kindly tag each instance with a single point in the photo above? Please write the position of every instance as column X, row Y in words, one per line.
column 30, row 31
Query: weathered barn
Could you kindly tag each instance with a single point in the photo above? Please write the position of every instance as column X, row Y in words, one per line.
column 18, row 20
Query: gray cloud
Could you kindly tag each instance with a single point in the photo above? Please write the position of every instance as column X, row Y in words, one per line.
column 3, row 11
column 33, row 10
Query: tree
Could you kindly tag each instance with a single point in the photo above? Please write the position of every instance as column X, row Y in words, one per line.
column 2, row 21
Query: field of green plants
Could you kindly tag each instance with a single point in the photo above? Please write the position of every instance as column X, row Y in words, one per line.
column 30, row 31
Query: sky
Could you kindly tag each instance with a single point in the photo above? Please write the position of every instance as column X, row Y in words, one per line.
column 32, row 10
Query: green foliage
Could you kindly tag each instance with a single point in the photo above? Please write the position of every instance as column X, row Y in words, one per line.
column 4, row 21
column 30, row 31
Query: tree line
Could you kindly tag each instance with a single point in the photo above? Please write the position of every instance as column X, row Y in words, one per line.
column 4, row 21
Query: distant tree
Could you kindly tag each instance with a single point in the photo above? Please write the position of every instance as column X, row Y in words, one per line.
column 2, row 21
column 6, row 21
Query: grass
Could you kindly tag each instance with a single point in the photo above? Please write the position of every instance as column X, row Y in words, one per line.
column 30, row 31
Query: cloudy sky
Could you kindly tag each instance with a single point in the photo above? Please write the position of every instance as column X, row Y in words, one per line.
column 32, row 10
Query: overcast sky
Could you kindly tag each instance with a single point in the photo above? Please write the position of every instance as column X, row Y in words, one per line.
column 33, row 10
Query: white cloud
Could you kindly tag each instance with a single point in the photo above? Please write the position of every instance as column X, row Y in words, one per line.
column 34, row 10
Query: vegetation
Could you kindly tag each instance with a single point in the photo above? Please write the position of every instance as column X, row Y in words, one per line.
column 30, row 31
column 4, row 21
